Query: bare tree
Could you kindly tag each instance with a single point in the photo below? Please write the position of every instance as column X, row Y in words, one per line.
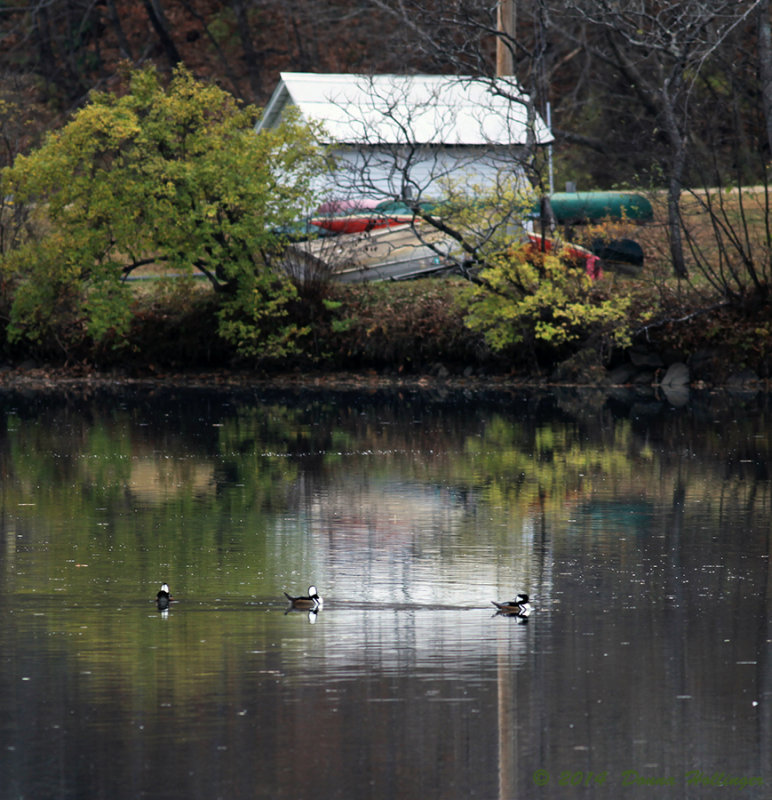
column 661, row 50
column 629, row 82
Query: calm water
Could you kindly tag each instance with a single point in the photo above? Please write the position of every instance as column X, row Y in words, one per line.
column 640, row 529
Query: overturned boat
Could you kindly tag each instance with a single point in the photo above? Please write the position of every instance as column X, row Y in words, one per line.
column 398, row 252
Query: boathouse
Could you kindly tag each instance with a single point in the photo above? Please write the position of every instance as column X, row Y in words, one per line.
column 412, row 136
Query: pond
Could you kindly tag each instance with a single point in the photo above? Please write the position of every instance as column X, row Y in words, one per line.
column 640, row 529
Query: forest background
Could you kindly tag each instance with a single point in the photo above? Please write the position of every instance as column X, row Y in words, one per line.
column 671, row 99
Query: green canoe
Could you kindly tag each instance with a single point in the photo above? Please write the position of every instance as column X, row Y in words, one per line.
column 575, row 208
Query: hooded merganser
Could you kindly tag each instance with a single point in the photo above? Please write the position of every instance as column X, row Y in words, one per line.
column 519, row 607
column 312, row 602
column 163, row 598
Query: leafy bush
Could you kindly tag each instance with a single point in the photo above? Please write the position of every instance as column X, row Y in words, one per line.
column 529, row 298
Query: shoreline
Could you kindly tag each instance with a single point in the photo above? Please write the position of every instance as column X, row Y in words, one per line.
column 53, row 378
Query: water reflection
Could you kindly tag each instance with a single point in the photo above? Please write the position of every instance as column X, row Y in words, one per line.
column 641, row 531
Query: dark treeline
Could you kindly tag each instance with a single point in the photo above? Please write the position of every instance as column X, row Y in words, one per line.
column 638, row 92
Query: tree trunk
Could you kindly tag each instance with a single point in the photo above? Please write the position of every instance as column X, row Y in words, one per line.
column 674, row 228
column 505, row 41
column 115, row 20
column 252, row 60
column 765, row 67
column 677, row 137
column 158, row 20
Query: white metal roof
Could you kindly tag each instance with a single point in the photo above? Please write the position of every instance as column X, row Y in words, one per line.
column 409, row 109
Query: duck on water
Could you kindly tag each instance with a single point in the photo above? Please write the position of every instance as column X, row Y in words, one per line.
column 309, row 602
column 519, row 607
column 163, row 599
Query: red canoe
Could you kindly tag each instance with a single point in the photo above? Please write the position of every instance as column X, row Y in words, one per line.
column 572, row 251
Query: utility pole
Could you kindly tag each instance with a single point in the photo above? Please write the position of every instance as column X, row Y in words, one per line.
column 506, row 23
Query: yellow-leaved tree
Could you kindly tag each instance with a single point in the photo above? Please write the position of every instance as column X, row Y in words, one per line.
column 168, row 175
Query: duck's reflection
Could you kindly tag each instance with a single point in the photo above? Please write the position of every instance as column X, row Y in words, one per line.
column 313, row 613
column 520, row 619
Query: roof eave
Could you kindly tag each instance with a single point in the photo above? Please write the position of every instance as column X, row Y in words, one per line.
column 274, row 107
